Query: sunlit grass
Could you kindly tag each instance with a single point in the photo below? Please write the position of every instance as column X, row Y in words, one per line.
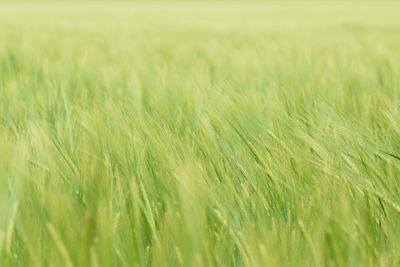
column 200, row 134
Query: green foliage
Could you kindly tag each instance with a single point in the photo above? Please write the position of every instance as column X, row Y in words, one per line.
column 200, row 134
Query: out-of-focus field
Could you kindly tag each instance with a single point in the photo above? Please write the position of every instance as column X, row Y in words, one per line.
column 200, row 134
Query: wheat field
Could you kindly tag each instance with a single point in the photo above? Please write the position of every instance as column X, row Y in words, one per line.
column 200, row 134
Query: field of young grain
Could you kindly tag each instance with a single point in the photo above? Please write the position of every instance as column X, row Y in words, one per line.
column 200, row 134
